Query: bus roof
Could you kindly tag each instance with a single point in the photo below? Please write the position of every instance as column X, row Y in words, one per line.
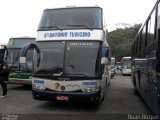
column 73, row 7
column 126, row 57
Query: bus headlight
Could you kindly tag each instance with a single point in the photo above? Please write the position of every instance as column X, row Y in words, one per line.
column 91, row 89
column 38, row 86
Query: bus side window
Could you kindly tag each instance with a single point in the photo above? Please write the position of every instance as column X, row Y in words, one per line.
column 158, row 53
column 151, row 26
column 158, row 37
column 143, row 38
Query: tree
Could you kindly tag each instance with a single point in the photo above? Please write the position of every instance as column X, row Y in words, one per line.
column 121, row 39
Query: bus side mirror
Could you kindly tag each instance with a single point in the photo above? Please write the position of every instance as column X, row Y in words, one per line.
column 105, row 55
column 104, row 60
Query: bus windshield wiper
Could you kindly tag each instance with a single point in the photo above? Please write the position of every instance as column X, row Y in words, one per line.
column 80, row 75
column 54, row 70
column 80, row 26
column 52, row 27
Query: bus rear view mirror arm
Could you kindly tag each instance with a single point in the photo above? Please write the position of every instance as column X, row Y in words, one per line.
column 24, row 51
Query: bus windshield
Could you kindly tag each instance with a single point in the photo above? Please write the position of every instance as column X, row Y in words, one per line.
column 113, row 62
column 68, row 18
column 74, row 61
column 14, row 48
column 78, row 61
column 13, row 58
column 127, row 63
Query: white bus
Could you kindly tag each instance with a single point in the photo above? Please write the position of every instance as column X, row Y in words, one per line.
column 71, row 55
column 126, row 65
column 113, row 66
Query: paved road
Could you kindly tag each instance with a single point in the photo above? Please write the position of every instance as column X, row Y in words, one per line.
column 120, row 99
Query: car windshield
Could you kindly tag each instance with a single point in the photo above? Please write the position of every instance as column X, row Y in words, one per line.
column 71, row 18
column 72, row 58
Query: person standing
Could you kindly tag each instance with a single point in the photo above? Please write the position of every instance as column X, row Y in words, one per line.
column 4, row 73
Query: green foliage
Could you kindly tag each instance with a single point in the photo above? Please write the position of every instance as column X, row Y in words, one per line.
column 120, row 40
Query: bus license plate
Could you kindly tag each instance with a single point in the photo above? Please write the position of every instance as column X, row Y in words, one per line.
column 18, row 82
column 65, row 98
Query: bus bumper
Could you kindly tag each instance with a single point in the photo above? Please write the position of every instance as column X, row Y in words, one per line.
column 20, row 81
column 73, row 96
column 126, row 71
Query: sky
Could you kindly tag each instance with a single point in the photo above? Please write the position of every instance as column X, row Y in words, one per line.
column 20, row 18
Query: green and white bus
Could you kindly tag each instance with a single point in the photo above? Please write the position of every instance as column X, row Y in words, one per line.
column 20, row 74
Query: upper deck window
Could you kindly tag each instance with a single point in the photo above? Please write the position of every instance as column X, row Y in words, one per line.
column 71, row 18
column 158, row 9
column 19, row 42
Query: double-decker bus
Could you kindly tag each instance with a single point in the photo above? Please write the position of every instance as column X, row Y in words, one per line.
column 19, row 74
column 146, row 60
column 71, row 55
column 126, row 66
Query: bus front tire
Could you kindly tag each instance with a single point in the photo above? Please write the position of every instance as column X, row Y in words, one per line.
column 135, row 88
column 97, row 102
